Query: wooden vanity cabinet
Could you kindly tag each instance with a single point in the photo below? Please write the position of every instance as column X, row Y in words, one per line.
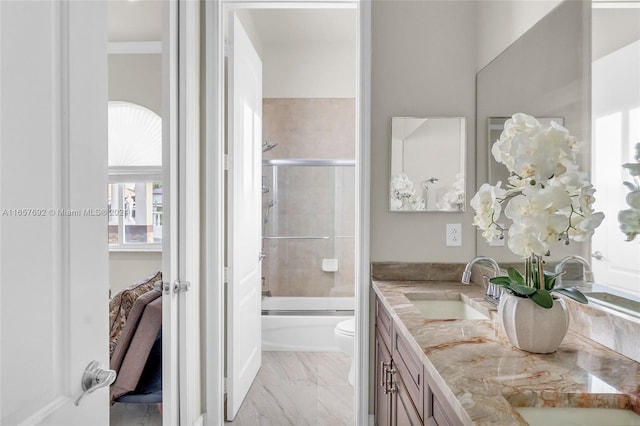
column 409, row 378
column 403, row 392
column 384, row 367
column 383, row 395
column 399, row 376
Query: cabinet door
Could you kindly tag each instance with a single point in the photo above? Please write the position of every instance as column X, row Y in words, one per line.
column 437, row 411
column 404, row 412
column 383, row 400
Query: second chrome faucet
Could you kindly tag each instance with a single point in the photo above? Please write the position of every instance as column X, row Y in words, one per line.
column 587, row 274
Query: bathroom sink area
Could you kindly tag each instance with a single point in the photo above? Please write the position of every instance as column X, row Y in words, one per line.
column 568, row 416
column 434, row 306
column 618, row 303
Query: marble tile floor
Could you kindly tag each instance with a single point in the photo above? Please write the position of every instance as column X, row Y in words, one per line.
column 292, row 388
column 299, row 389
column 134, row 415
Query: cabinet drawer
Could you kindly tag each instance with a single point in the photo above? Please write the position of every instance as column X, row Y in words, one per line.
column 437, row 410
column 383, row 323
column 409, row 368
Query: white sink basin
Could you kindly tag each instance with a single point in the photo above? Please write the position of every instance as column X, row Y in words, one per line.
column 443, row 308
column 570, row 416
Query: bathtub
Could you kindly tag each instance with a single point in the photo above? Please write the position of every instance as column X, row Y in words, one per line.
column 303, row 324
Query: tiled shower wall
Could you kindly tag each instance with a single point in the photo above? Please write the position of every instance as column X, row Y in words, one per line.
column 311, row 201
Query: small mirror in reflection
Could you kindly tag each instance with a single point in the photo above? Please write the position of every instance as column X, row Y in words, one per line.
column 427, row 164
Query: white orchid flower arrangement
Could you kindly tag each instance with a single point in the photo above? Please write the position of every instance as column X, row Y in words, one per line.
column 547, row 197
column 403, row 193
column 453, row 199
column 630, row 218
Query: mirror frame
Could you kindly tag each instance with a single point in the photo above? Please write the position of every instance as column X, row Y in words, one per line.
column 400, row 180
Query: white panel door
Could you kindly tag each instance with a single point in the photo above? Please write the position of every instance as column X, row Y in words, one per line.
column 244, row 237
column 53, row 177
column 616, row 130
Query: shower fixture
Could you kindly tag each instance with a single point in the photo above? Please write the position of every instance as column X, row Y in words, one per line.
column 266, row 215
column 266, row 146
column 426, row 182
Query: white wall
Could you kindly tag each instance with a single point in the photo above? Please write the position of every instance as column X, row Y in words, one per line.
column 614, row 29
column 137, row 79
column 305, row 53
column 500, row 23
column 125, row 268
column 423, row 64
column 310, row 71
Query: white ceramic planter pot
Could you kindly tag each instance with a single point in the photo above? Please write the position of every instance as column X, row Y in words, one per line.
column 533, row 328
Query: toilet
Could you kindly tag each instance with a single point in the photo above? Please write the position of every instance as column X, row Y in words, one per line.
column 345, row 333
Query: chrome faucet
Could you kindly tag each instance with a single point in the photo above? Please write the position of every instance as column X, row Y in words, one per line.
column 493, row 291
column 466, row 275
column 587, row 274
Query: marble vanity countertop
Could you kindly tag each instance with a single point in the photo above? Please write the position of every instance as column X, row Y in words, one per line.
column 483, row 376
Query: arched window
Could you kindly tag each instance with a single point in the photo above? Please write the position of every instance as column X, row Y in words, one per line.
column 135, row 177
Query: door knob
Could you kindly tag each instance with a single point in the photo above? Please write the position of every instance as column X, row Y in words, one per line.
column 95, row 378
column 597, row 255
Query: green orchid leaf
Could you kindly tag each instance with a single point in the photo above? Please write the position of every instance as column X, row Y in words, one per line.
column 631, row 186
column 549, row 281
column 573, row 293
column 504, row 281
column 515, row 276
column 522, row 290
column 542, row 298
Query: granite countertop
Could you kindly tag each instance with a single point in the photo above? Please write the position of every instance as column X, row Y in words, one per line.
column 483, row 376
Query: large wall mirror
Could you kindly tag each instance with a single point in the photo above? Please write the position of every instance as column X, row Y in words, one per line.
column 427, row 164
column 593, row 86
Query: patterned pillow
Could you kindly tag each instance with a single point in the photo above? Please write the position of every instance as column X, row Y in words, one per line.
column 121, row 304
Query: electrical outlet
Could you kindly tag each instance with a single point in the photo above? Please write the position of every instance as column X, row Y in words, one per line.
column 497, row 242
column 454, row 234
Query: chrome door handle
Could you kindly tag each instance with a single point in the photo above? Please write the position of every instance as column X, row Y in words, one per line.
column 597, row 255
column 95, row 378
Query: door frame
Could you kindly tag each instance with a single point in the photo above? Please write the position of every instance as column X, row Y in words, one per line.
column 214, row 195
column 181, row 263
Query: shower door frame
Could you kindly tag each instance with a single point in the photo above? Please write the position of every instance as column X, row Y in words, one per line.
column 214, row 194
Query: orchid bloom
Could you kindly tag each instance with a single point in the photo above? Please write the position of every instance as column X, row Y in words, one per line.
column 547, row 197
